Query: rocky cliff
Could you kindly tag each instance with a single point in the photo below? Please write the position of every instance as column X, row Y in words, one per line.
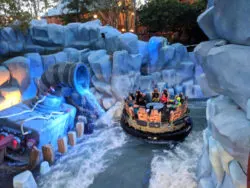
column 224, row 60
column 119, row 63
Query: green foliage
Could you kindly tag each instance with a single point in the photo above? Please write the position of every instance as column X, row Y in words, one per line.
column 171, row 15
column 13, row 15
column 75, row 10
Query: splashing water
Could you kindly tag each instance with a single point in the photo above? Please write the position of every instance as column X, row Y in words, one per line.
column 109, row 158
column 85, row 161
column 176, row 168
column 92, row 103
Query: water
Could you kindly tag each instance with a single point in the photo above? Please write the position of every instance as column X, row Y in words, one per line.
column 110, row 158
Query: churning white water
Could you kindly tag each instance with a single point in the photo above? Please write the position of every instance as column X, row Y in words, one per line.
column 111, row 159
column 176, row 168
column 85, row 161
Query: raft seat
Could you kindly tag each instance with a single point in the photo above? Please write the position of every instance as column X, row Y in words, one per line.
column 142, row 114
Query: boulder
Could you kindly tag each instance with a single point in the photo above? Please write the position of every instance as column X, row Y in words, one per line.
column 201, row 51
column 73, row 55
column 84, row 54
column 83, row 33
column 214, row 157
column 143, row 50
column 225, row 157
column 44, row 167
column 178, row 89
column 197, row 92
column 161, row 86
column 206, row 23
column 102, row 87
column 206, row 134
column 147, row 83
column 227, row 182
column 122, row 85
column 38, row 22
column 108, row 103
column 15, row 47
column 56, row 34
column 9, row 97
column 129, row 42
column 19, row 68
column 101, row 65
column 181, row 52
column 4, row 48
column 188, row 88
column 11, row 94
column 198, row 72
column 171, row 92
column 155, row 44
column 169, row 76
column 36, row 65
column 157, row 77
column 204, row 165
column 39, row 34
column 4, row 75
column 89, row 32
column 234, row 139
column 8, row 34
column 24, row 180
column 113, row 114
column 61, row 57
column 210, row 3
column 48, row 60
column 185, row 71
column 248, row 109
column 110, row 42
column 235, row 14
column 71, row 34
column 238, row 176
column 124, row 63
column 206, row 183
column 206, row 90
column 224, row 63
column 34, row 48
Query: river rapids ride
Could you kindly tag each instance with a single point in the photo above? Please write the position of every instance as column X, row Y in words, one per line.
column 157, row 121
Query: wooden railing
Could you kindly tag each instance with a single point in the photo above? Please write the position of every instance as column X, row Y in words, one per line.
column 156, row 116
column 178, row 113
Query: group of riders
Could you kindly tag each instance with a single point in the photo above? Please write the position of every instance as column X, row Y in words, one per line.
column 140, row 99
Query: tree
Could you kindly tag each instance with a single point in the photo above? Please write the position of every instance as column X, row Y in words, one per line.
column 172, row 15
column 18, row 13
column 107, row 10
column 11, row 12
column 74, row 10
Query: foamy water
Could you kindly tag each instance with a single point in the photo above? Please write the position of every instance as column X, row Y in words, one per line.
column 176, row 168
column 85, row 161
column 111, row 159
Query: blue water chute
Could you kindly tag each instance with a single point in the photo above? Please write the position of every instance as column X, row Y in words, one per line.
column 73, row 75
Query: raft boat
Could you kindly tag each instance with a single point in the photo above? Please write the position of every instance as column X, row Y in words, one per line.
column 164, row 122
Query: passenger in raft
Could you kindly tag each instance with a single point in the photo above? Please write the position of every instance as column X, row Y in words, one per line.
column 164, row 97
column 131, row 100
column 177, row 100
column 155, row 95
column 182, row 98
column 140, row 98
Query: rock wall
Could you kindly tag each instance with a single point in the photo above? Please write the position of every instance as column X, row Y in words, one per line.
column 224, row 60
column 118, row 63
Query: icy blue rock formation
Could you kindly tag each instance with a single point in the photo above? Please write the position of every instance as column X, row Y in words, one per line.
column 217, row 21
column 225, row 151
column 226, row 71
column 118, row 63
